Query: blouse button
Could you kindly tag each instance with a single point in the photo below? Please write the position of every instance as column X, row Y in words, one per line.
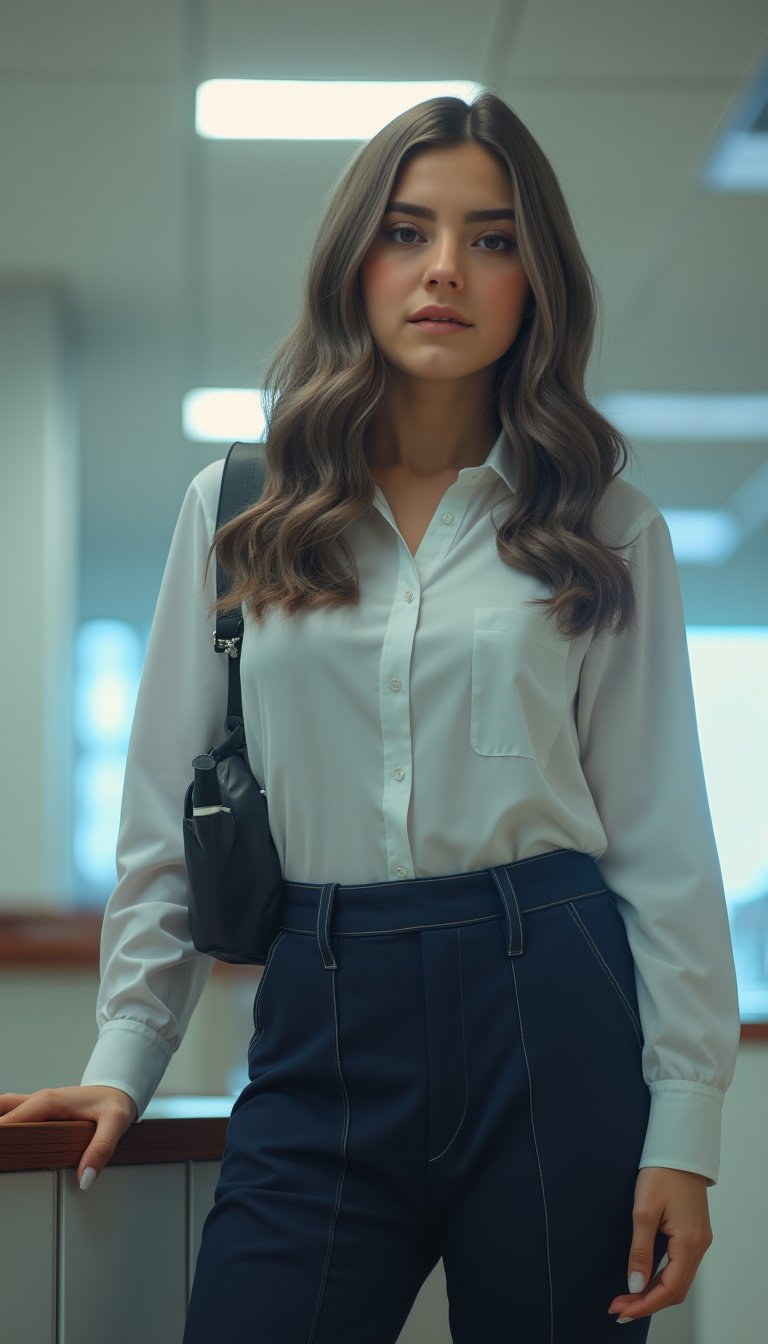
column 399, row 772
column 408, row 595
column 401, row 871
column 447, row 517
column 396, row 684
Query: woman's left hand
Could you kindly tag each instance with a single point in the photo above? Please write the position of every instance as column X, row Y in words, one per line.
column 674, row 1202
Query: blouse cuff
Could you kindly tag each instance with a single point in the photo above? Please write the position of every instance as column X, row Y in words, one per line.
column 684, row 1127
column 130, row 1056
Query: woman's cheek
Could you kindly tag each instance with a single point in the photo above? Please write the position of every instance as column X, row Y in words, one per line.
column 512, row 287
column 375, row 273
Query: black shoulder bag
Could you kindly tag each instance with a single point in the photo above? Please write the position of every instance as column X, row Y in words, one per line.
column 234, row 879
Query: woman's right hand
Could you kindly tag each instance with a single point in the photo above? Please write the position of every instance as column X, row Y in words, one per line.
column 113, row 1110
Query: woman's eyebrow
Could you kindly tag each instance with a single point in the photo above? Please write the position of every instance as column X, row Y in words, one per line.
column 407, row 208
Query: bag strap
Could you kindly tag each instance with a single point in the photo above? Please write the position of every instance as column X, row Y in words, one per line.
column 242, row 483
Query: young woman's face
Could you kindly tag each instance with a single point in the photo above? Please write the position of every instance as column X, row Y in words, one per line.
column 472, row 266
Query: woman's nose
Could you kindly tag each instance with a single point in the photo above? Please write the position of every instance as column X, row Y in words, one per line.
column 444, row 262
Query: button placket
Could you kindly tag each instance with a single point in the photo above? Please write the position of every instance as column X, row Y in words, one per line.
column 396, row 655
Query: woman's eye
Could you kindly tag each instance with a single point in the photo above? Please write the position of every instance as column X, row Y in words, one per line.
column 499, row 237
column 400, row 228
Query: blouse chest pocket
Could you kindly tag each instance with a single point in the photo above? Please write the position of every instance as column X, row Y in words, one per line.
column 519, row 691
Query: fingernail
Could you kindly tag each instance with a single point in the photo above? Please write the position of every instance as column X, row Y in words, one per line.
column 636, row 1281
column 623, row 1320
column 89, row 1176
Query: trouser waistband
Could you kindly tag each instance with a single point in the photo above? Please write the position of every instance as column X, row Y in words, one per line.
column 509, row 890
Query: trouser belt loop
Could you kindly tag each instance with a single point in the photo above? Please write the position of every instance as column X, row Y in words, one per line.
column 514, row 923
column 324, row 925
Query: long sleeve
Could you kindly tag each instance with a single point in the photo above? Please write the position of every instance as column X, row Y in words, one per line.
column 641, row 757
column 152, row 976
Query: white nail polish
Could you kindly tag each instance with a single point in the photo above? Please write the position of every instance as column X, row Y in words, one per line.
column 89, row 1176
column 636, row 1281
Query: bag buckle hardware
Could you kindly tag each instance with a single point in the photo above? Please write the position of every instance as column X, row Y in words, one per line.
column 222, row 645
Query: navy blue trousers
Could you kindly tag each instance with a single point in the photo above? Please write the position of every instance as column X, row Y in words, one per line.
column 440, row 1067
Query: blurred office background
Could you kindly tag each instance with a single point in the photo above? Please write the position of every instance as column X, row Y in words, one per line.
column 151, row 259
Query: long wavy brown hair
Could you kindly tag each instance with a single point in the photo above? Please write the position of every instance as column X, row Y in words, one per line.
column 328, row 380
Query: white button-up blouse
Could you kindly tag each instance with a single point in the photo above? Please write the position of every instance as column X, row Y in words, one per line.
column 440, row 726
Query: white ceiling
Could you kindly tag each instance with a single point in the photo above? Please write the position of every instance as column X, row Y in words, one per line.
column 184, row 258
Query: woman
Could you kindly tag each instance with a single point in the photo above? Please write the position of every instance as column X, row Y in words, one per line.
column 500, row 1015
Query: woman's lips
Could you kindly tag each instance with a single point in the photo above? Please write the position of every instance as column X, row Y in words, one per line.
column 430, row 324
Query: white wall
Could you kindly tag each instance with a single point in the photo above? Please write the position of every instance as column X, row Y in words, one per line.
column 39, row 553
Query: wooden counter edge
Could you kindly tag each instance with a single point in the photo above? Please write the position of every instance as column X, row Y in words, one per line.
column 54, row 1144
